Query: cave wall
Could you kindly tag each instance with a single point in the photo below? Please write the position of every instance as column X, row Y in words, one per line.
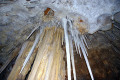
column 18, row 19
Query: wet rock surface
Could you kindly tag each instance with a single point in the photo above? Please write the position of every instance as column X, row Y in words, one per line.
column 103, row 56
column 104, row 63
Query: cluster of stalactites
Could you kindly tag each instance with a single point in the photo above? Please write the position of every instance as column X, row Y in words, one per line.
column 80, row 44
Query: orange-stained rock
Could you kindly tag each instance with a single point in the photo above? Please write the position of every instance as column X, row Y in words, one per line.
column 48, row 15
column 81, row 25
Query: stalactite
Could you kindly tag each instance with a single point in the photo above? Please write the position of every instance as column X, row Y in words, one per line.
column 82, row 16
column 84, row 41
column 32, row 32
column 72, row 59
column 22, row 49
column 31, row 51
column 80, row 43
column 64, row 23
column 49, row 64
column 19, row 62
column 87, row 62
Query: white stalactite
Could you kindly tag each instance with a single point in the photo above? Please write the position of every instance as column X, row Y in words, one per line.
column 85, row 41
column 64, row 23
column 86, row 60
column 72, row 59
column 88, row 65
column 80, row 43
column 31, row 51
column 32, row 32
column 22, row 49
column 83, row 45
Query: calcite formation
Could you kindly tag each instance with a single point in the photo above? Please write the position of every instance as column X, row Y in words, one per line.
column 48, row 64
column 73, row 19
